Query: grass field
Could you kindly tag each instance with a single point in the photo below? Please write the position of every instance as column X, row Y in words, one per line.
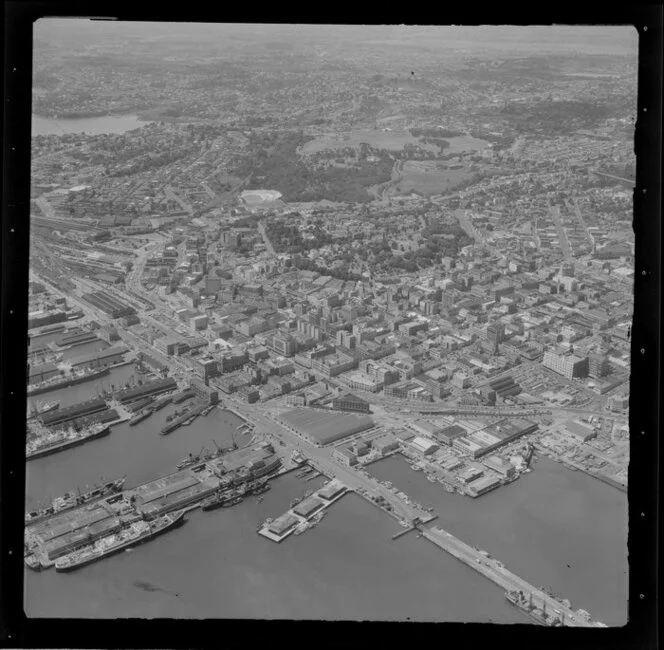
column 390, row 140
column 429, row 177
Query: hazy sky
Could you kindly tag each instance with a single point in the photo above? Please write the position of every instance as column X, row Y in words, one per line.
column 590, row 40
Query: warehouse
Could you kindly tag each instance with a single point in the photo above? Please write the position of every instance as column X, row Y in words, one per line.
column 483, row 485
column 332, row 491
column 308, row 507
column 283, row 524
column 42, row 372
column 72, row 412
column 109, row 305
column 151, row 388
column 494, row 436
column 449, row 434
column 108, row 357
column 320, row 428
column 423, row 445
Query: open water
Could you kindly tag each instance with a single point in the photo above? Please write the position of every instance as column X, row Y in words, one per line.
column 217, row 566
column 89, row 125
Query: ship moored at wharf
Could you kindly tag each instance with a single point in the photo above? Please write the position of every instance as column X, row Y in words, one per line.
column 63, row 382
column 136, row 533
column 242, row 470
column 43, row 409
column 139, row 417
column 54, row 442
column 71, row 500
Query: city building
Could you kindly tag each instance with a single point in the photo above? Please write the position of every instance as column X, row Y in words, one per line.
column 566, row 363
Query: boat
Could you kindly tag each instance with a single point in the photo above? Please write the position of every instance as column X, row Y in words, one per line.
column 525, row 604
column 63, row 382
column 218, row 499
column 232, row 502
column 136, row 533
column 71, row 500
column 55, row 442
column 139, row 417
column 160, row 404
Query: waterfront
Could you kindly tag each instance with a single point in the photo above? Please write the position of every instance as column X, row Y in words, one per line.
column 553, row 527
column 345, row 568
column 89, row 125
column 117, row 378
column 522, row 524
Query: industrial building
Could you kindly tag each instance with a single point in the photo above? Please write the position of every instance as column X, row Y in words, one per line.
column 494, row 436
column 321, row 428
column 581, row 431
column 111, row 306
column 483, row 485
column 308, row 507
column 62, row 415
column 281, row 525
column 423, row 445
column 108, row 357
column 497, row 464
column 42, row 372
column 449, row 434
column 151, row 388
column 331, row 491
column 350, row 402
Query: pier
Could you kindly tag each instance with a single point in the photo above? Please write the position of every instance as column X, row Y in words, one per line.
column 299, row 518
column 401, row 533
column 497, row 573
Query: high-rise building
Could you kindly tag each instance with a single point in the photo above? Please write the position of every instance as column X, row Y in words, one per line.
column 566, row 364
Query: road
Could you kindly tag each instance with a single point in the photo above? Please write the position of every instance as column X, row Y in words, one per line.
column 467, row 225
column 266, row 239
column 321, row 458
column 554, row 213
column 170, row 194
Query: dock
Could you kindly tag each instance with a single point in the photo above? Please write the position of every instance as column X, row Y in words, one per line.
column 56, row 536
column 401, row 533
column 497, row 573
column 299, row 517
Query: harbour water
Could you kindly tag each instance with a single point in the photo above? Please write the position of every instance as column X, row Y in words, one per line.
column 89, row 125
column 555, row 528
column 216, row 566
column 347, row 567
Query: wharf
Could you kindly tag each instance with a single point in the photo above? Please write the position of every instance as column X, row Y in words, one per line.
column 193, row 412
column 401, row 533
column 185, row 489
column 236, row 414
column 299, row 516
column 570, row 464
column 497, row 573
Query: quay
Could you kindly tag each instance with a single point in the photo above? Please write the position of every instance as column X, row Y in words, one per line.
column 497, row 573
column 63, row 533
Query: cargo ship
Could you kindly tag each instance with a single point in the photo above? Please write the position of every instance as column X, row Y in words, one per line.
column 203, row 455
column 55, row 442
column 46, row 408
column 525, row 604
column 160, row 404
column 71, row 500
column 63, row 382
column 139, row 417
column 136, row 533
